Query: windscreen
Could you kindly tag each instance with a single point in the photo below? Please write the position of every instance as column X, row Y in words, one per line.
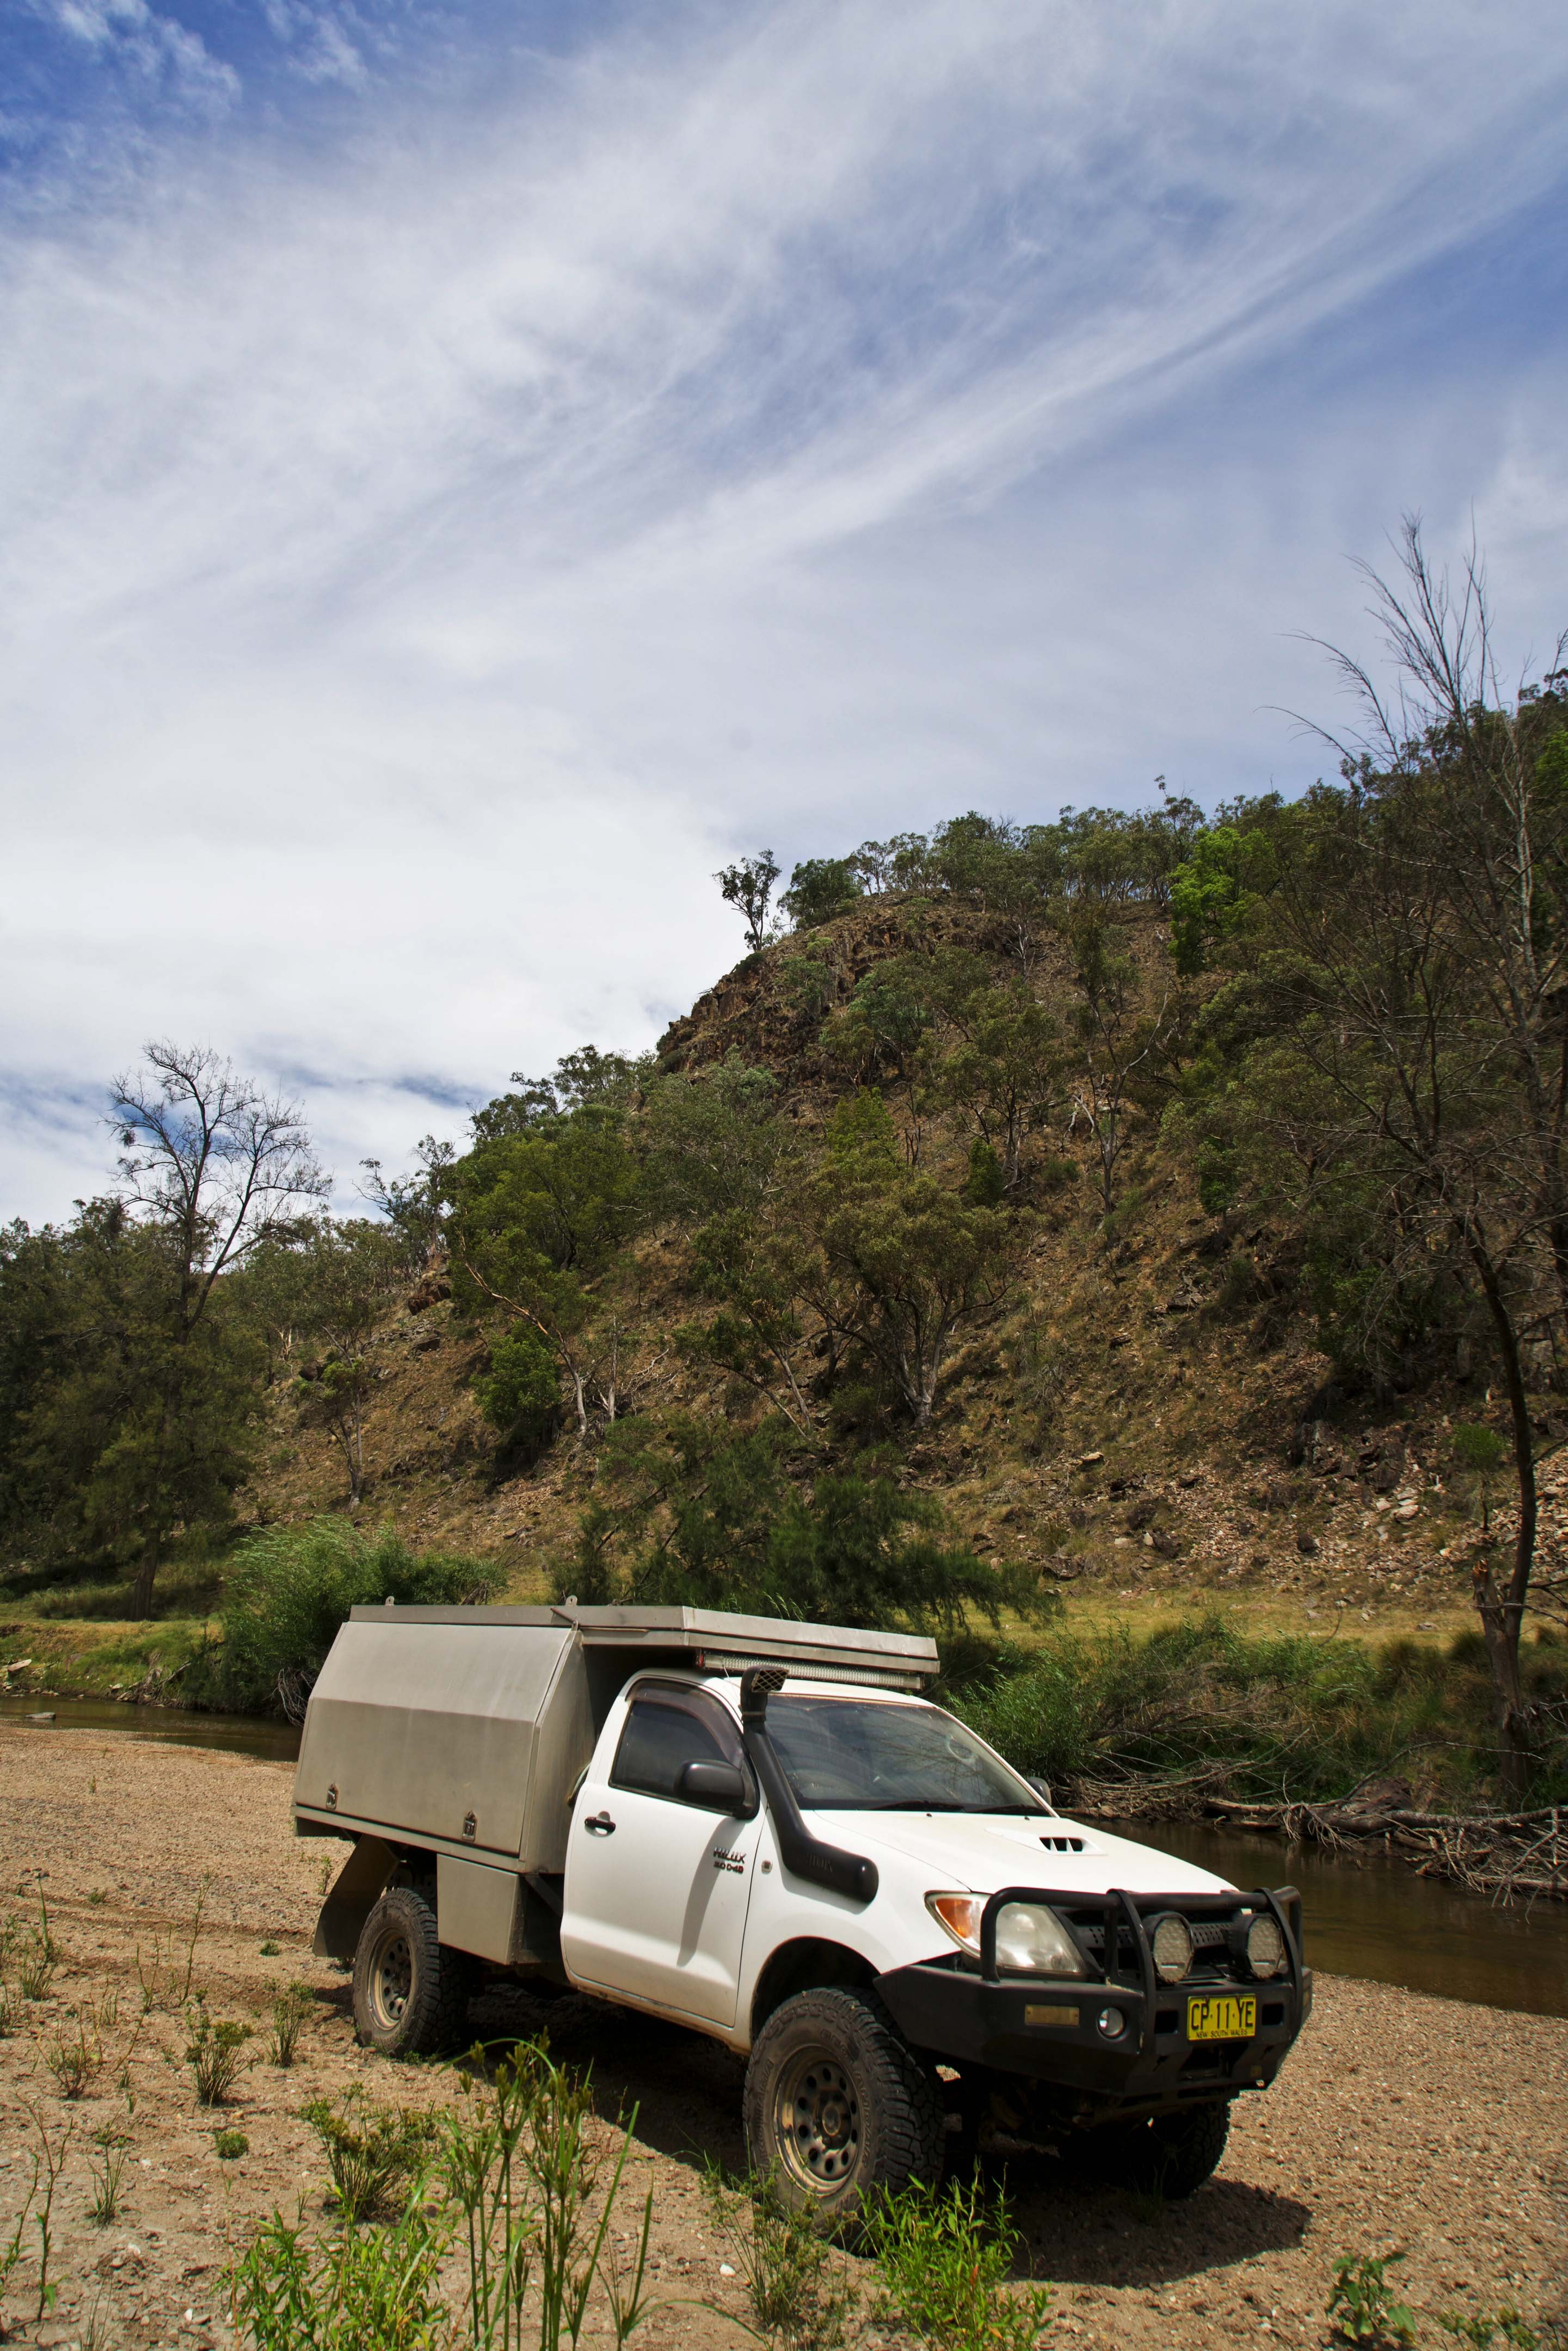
column 844, row 1754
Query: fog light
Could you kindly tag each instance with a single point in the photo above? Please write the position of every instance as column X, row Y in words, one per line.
column 1172, row 1945
column 1266, row 1953
column 1112, row 2024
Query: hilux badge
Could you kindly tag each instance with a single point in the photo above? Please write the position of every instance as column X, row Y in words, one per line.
column 723, row 1858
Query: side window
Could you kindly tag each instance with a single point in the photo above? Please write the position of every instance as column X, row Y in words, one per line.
column 665, row 1728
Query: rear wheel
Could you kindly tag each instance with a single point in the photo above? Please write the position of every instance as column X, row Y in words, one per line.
column 410, row 1997
column 1170, row 2156
column 837, row 2106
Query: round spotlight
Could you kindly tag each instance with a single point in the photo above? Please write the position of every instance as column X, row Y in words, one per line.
column 1266, row 1953
column 1112, row 2024
column 1171, row 1943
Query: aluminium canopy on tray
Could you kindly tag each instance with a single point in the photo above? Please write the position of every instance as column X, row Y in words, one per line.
column 467, row 1727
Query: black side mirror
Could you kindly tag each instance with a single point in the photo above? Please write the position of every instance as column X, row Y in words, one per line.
column 716, row 1787
column 1042, row 1788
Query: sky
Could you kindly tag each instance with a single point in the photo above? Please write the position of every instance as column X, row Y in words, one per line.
column 467, row 471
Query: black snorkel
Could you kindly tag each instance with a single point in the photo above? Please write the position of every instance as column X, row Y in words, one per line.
column 803, row 1854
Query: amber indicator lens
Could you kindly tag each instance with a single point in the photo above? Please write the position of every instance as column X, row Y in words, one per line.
column 960, row 1914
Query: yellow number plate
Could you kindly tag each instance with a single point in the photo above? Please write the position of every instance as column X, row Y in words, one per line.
column 1222, row 2016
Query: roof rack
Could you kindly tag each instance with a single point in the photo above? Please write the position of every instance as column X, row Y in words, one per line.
column 712, row 1639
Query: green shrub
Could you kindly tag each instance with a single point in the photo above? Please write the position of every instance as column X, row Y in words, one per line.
column 291, row 1590
column 687, row 1510
column 987, row 1182
column 800, row 2295
column 1502, row 2330
column 374, row 2153
column 365, row 2287
column 214, row 2055
column 519, row 1396
column 106, row 2170
column 75, row 2057
column 230, row 2145
column 942, row 2257
column 289, row 2010
column 818, row 889
column 1361, row 2307
column 1311, row 1717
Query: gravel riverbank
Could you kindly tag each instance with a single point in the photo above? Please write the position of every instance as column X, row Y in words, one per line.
column 1401, row 2120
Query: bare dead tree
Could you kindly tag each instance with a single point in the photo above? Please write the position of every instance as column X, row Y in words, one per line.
column 216, row 1165
column 1455, row 985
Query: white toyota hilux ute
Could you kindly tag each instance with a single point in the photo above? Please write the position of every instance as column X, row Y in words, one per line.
column 761, row 1831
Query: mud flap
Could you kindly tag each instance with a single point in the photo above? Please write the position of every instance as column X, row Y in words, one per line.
column 353, row 1894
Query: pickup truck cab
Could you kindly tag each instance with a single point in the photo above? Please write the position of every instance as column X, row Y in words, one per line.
column 829, row 1873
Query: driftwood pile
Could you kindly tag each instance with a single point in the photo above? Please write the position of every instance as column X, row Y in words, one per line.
column 1507, row 1856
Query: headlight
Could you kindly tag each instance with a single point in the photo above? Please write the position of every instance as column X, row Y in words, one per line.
column 1032, row 1938
column 1266, row 1953
column 1171, row 1944
column 1029, row 1937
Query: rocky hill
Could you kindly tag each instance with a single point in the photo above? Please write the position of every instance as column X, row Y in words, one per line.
column 1150, row 1421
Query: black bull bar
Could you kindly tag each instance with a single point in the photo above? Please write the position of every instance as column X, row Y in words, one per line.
column 1052, row 2030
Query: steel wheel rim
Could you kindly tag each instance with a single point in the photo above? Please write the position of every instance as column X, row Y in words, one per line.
column 391, row 1979
column 817, row 2123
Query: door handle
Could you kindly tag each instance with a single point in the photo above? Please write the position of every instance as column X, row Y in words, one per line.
column 600, row 1825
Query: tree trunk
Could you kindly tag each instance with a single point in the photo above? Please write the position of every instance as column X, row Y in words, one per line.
column 354, row 1446
column 147, row 1574
column 1500, row 1630
column 1503, row 1614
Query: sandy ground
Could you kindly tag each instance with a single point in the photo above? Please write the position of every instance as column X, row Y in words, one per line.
column 1400, row 2121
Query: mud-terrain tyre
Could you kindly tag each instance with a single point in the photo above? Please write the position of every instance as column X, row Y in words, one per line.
column 1170, row 2156
column 838, row 2106
column 410, row 1997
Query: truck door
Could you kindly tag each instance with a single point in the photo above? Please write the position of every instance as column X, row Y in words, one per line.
column 656, row 1888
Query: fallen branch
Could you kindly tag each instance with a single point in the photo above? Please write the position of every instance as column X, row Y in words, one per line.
column 1501, row 1854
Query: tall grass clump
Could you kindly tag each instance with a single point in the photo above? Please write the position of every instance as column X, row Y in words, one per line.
column 292, row 1587
column 375, row 2154
column 942, row 2261
column 216, row 2054
column 358, row 2288
column 1261, row 1716
column 513, row 2179
column 800, row 2295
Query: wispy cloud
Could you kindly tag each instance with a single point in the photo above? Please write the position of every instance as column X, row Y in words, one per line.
column 429, row 549
column 155, row 47
column 323, row 43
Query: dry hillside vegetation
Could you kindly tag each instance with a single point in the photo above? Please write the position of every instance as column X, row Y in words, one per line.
column 1151, row 1417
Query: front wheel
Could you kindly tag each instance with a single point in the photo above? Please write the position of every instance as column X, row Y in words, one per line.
column 1170, row 2156
column 410, row 1997
column 838, row 2106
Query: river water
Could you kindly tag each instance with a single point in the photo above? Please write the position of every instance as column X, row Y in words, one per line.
column 1376, row 1917
column 236, row 1734
column 1373, row 1917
